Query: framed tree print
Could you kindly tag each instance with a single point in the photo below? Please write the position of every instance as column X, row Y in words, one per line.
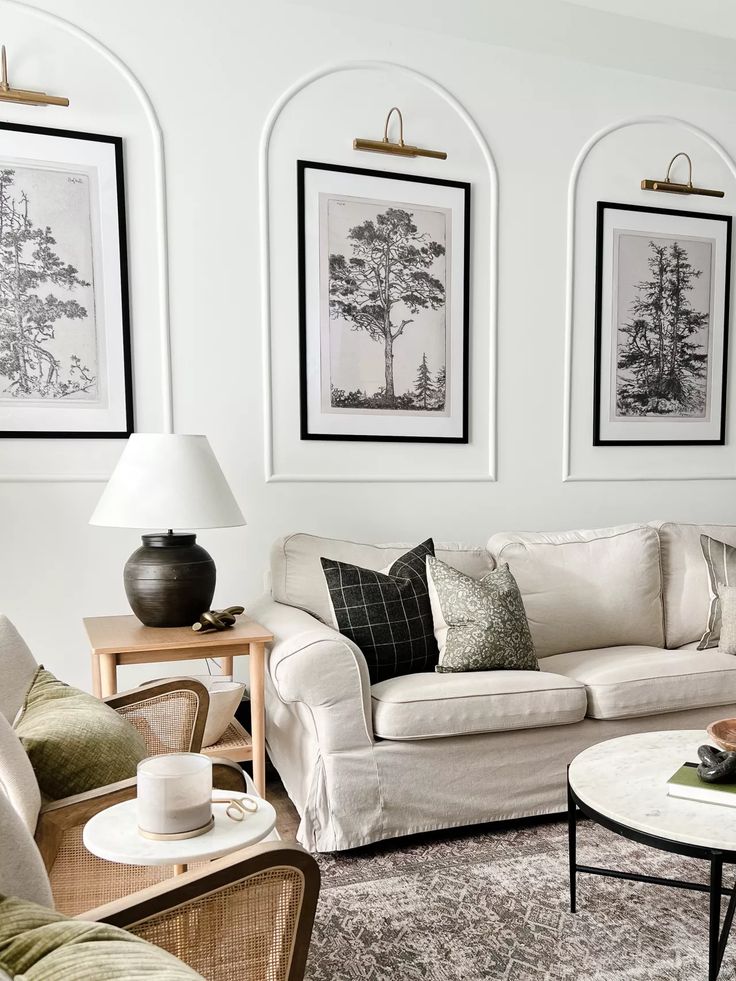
column 383, row 305
column 65, row 367
column 661, row 341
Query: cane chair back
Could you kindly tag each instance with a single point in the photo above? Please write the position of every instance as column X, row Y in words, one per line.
column 79, row 880
column 171, row 719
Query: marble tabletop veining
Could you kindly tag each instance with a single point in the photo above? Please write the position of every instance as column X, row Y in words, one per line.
column 626, row 779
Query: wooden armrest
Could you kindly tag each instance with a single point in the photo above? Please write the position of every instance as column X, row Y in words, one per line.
column 81, row 807
column 153, row 688
column 227, row 775
column 200, row 882
column 58, row 816
column 254, row 911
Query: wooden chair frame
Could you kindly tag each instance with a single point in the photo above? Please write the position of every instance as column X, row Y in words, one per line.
column 61, row 816
column 195, row 887
column 159, row 689
column 60, row 822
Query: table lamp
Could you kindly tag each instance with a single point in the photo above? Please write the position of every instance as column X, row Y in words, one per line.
column 173, row 482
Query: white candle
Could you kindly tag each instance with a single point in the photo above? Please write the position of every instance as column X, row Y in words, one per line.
column 174, row 793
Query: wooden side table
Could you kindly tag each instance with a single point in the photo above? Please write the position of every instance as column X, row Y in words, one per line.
column 125, row 640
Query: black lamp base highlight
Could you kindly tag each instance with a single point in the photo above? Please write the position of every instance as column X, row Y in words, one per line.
column 170, row 580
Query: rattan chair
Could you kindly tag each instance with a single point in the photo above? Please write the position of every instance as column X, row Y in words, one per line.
column 245, row 917
column 170, row 715
column 79, row 880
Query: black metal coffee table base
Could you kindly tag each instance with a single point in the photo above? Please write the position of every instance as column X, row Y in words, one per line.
column 717, row 934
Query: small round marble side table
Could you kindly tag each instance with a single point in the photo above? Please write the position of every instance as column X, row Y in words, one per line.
column 113, row 835
column 621, row 784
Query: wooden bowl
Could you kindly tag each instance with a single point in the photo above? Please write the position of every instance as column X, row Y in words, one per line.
column 723, row 733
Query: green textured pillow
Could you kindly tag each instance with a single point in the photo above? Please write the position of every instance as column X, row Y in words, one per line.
column 74, row 741
column 38, row 944
column 479, row 624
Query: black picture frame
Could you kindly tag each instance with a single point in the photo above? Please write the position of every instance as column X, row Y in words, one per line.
column 302, row 167
column 602, row 207
column 116, row 142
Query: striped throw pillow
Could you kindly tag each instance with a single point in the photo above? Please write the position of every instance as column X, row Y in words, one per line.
column 720, row 560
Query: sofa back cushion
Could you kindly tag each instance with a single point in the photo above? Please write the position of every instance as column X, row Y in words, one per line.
column 17, row 779
column 296, row 572
column 587, row 589
column 22, row 872
column 685, row 581
column 17, row 668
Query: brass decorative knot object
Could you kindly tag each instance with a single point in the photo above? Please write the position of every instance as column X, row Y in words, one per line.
column 218, row 619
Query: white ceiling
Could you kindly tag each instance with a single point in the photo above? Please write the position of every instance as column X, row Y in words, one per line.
column 717, row 17
column 685, row 40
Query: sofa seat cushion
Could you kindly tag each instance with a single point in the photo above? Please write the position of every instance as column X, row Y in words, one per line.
column 629, row 682
column 430, row 706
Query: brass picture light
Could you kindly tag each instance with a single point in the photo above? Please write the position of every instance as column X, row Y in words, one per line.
column 400, row 149
column 25, row 97
column 672, row 187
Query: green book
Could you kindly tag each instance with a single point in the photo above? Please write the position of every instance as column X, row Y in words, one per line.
column 686, row 783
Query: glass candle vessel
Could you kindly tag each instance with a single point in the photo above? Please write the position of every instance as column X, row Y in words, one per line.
column 175, row 795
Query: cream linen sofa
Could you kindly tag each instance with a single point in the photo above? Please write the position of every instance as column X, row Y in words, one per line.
column 615, row 615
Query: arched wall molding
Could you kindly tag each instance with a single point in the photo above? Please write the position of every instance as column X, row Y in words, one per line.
column 167, row 395
column 577, row 167
column 464, row 115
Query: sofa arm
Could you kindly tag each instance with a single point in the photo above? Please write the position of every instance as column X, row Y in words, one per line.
column 313, row 663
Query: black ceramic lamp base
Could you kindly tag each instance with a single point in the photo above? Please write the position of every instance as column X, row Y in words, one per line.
column 170, row 580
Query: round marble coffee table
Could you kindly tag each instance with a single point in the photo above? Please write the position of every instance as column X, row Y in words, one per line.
column 621, row 784
column 112, row 834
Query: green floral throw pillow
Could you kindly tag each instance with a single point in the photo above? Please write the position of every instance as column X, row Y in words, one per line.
column 480, row 625
column 74, row 741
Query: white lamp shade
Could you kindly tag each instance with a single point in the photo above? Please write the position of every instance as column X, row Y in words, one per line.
column 167, row 481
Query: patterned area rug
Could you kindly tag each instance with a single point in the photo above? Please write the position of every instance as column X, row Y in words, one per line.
column 494, row 905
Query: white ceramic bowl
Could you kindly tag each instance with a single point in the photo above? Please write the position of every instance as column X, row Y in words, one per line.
column 225, row 696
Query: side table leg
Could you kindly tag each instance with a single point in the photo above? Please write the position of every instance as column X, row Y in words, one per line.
column 108, row 675
column 714, row 926
column 96, row 679
column 572, row 833
column 257, row 712
column 226, row 665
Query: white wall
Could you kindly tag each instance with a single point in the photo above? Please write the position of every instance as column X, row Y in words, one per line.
column 213, row 72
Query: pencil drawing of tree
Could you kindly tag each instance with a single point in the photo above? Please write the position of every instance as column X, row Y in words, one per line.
column 384, row 282
column 440, row 388
column 35, row 288
column 424, row 386
column 662, row 359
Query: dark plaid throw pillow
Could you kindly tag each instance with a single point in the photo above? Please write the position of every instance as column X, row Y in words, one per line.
column 388, row 615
